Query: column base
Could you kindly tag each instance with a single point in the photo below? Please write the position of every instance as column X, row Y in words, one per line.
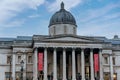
column 54, row 78
column 45, row 78
column 83, row 79
column 13, row 78
column 64, row 79
column 35, row 79
column 101, row 79
column 92, row 79
column 74, row 79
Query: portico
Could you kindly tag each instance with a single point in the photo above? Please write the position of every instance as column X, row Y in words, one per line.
column 67, row 62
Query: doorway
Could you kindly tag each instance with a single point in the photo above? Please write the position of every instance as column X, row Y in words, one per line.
column 40, row 77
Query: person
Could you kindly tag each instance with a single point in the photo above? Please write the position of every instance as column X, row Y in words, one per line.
column 48, row 77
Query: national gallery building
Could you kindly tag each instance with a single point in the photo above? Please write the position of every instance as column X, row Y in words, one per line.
column 60, row 55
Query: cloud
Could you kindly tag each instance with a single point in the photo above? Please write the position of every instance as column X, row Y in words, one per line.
column 15, row 23
column 34, row 16
column 68, row 4
column 108, row 29
column 98, row 13
column 10, row 8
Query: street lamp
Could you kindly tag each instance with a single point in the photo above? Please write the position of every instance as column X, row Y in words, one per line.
column 22, row 64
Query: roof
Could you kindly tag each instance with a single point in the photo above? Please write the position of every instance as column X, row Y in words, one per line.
column 62, row 17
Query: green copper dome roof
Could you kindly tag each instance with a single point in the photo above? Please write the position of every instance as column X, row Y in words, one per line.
column 62, row 17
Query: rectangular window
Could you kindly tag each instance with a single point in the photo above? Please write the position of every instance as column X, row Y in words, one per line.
column 106, row 75
column 8, row 76
column 9, row 59
column 29, row 59
column 113, row 59
column 19, row 59
column 29, row 76
column 106, row 60
column 18, row 75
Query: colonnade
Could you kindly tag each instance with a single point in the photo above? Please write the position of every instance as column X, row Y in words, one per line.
column 35, row 69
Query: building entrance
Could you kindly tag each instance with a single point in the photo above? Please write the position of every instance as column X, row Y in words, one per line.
column 40, row 77
column 87, row 72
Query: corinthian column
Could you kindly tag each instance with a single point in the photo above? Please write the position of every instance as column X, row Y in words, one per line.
column 64, row 64
column 13, row 66
column 82, row 64
column 45, row 63
column 54, row 65
column 35, row 63
column 73, row 65
column 100, row 58
column 111, row 67
column 91, row 63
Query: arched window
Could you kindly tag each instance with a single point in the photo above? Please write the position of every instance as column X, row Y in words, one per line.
column 54, row 30
column 74, row 30
column 65, row 29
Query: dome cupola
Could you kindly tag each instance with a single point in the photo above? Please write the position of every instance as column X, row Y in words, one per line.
column 62, row 17
column 62, row 22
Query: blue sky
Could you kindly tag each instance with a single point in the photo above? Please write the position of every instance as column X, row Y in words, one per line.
column 30, row 17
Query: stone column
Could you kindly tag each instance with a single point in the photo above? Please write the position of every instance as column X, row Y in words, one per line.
column 64, row 64
column 73, row 65
column 70, row 67
column 100, row 61
column 82, row 64
column 78, row 63
column 35, row 64
column 111, row 67
column 13, row 66
column 61, row 66
column 25, row 65
column 45, row 63
column 54, row 64
column 91, row 64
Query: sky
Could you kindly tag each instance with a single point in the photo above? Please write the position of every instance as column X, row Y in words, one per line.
column 31, row 17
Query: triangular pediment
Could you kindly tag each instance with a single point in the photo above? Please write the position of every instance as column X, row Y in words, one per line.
column 71, row 39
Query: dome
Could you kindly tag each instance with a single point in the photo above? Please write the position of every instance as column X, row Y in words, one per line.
column 62, row 17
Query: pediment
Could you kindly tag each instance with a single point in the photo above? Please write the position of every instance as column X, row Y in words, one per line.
column 72, row 39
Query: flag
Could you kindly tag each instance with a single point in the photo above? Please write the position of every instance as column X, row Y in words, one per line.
column 40, row 61
column 96, row 62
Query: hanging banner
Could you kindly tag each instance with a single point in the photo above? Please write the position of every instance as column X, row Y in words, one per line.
column 40, row 61
column 96, row 62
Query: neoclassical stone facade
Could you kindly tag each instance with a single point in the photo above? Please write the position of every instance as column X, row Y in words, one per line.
column 66, row 55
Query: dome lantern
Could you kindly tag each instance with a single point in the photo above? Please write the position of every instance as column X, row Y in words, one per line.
column 62, row 5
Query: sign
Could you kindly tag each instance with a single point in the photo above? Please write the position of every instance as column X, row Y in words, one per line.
column 96, row 62
column 40, row 61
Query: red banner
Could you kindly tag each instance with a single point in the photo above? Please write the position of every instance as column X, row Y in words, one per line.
column 40, row 61
column 96, row 62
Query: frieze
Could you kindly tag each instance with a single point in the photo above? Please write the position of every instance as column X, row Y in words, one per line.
column 74, row 45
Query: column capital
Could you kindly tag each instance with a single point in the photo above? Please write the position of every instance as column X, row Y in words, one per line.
column 14, row 52
column 100, row 49
column 35, row 48
column 45, row 47
column 83, row 49
column 73, row 48
column 54, row 47
column 91, row 49
column 63, row 47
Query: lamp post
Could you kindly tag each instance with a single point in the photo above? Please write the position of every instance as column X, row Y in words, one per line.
column 22, row 64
